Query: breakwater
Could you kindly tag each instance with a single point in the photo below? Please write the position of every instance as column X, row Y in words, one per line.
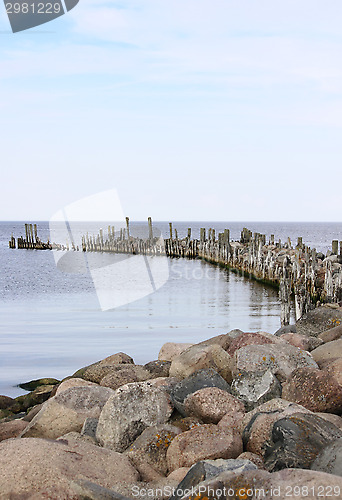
column 297, row 270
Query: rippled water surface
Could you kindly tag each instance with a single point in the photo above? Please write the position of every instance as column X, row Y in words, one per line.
column 52, row 324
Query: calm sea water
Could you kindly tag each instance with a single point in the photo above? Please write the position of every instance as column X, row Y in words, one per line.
column 52, row 324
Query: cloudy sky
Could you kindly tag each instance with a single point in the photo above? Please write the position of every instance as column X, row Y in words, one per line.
column 191, row 109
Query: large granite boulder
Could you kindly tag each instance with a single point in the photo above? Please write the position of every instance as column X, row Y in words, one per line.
column 124, row 374
column 255, row 388
column 67, row 411
column 319, row 320
column 40, row 468
column 331, row 334
column 223, row 340
column 200, row 443
column 297, row 440
column 335, row 370
column 257, row 425
column 196, row 381
column 315, row 389
column 327, row 353
column 171, row 350
column 199, row 357
column 158, row 368
column 88, row 372
column 73, row 382
column 151, row 447
column 211, row 404
column 250, row 339
column 302, row 341
column 280, row 359
column 129, row 411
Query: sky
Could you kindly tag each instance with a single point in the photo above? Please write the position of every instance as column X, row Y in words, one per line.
column 191, row 109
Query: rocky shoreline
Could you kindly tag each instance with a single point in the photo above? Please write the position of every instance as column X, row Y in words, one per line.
column 241, row 415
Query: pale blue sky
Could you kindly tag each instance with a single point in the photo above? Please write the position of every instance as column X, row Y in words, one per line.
column 191, row 109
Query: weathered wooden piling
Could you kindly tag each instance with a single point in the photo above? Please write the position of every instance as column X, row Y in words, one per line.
column 334, row 247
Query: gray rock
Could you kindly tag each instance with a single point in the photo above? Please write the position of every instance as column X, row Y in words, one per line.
column 122, row 374
column 89, row 427
column 280, row 359
column 197, row 381
column 331, row 334
column 208, row 469
column 200, row 357
column 129, row 411
column 114, row 359
column 86, row 490
column 211, row 404
column 256, row 388
column 298, row 439
column 224, row 340
column 41, row 468
column 302, row 341
column 319, row 320
column 67, row 412
column 327, row 353
column 330, row 459
column 151, row 447
column 171, row 350
column 158, row 368
column 286, row 329
column 256, row 426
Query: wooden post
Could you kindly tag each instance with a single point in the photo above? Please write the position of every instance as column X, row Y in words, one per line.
column 127, row 226
column 31, row 233
column 170, row 226
column 284, row 294
column 35, row 233
column 189, row 233
column 150, row 230
column 226, row 236
column 335, row 247
column 272, row 240
column 176, row 234
column 340, row 247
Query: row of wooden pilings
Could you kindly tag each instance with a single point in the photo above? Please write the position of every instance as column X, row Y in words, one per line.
column 31, row 240
column 299, row 272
